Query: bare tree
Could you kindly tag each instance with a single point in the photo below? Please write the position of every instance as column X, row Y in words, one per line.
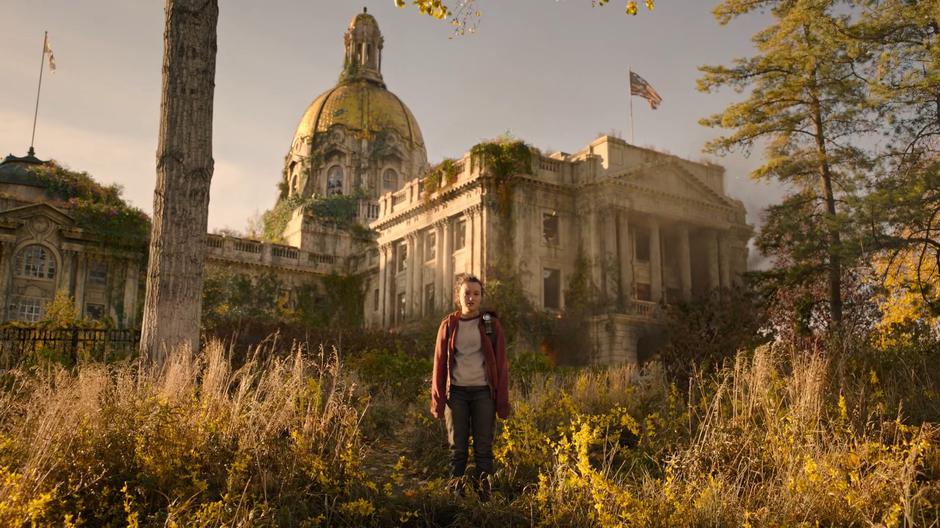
column 172, row 305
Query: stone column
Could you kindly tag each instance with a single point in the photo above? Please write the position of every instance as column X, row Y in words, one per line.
column 484, row 234
column 471, row 238
column 391, row 281
column 383, row 283
column 410, row 240
column 447, row 265
column 6, row 277
column 611, row 270
column 724, row 260
column 685, row 262
column 80, row 272
column 593, row 248
column 439, row 264
column 64, row 279
column 656, row 263
column 417, row 293
column 711, row 252
column 130, row 293
column 625, row 253
column 477, row 267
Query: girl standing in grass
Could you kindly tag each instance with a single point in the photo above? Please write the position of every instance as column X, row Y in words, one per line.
column 470, row 382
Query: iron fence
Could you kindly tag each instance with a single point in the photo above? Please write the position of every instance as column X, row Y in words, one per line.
column 69, row 346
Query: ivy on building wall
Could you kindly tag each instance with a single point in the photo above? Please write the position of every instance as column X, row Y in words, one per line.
column 502, row 159
column 274, row 220
column 337, row 210
column 568, row 343
column 96, row 208
column 440, row 176
column 523, row 322
column 350, row 70
column 114, row 225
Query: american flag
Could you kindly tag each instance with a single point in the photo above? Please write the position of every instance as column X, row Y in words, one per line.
column 639, row 86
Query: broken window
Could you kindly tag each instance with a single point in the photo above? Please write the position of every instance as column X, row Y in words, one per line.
column 430, row 245
column 460, row 234
column 642, row 249
column 551, row 288
column 550, row 229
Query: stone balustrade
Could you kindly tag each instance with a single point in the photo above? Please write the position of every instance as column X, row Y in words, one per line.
column 222, row 247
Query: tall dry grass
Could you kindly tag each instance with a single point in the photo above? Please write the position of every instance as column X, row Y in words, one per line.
column 771, row 440
column 779, row 437
column 273, row 442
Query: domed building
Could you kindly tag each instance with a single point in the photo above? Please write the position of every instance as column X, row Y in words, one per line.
column 357, row 139
column 58, row 236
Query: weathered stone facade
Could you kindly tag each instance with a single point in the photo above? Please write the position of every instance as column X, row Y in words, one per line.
column 43, row 252
column 650, row 228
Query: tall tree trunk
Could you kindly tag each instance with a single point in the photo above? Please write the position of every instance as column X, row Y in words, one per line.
column 833, row 243
column 173, row 302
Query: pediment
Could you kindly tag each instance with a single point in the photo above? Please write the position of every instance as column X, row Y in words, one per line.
column 670, row 178
column 33, row 212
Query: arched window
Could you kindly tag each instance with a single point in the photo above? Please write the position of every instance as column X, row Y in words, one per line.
column 334, row 180
column 389, row 180
column 35, row 262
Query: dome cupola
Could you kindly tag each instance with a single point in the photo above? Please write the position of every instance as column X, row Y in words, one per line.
column 363, row 42
column 357, row 137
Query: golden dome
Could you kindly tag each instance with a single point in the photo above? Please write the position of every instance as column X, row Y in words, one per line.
column 361, row 106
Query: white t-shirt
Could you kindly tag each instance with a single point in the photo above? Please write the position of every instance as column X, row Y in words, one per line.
column 469, row 362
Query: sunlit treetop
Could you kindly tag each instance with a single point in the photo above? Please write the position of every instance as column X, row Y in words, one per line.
column 466, row 18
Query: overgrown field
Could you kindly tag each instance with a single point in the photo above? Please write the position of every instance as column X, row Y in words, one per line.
column 781, row 436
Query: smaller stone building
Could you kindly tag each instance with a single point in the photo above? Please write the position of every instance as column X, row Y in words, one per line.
column 43, row 251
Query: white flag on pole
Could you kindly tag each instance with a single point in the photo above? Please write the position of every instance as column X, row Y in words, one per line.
column 47, row 49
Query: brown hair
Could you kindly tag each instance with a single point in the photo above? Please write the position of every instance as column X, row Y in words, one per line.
column 462, row 279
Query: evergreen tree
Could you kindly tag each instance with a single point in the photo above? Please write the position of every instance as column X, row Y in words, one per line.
column 902, row 211
column 807, row 108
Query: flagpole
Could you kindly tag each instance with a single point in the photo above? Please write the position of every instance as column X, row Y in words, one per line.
column 42, row 64
column 629, row 83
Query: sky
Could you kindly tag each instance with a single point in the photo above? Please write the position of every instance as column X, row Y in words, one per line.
column 553, row 73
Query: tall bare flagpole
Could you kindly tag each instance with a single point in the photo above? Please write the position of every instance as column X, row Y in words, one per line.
column 630, row 96
column 42, row 64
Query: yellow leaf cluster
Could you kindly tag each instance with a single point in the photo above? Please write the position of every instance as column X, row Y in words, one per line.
column 902, row 304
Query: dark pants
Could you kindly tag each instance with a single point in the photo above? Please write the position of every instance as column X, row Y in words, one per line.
column 470, row 410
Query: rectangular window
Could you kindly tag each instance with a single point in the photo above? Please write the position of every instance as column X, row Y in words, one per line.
column 673, row 295
column 550, row 229
column 644, row 292
column 94, row 311
column 642, row 249
column 429, row 299
column 460, row 234
column 402, row 303
column 375, row 300
column 430, row 245
column 27, row 309
column 98, row 274
column 401, row 257
column 551, row 288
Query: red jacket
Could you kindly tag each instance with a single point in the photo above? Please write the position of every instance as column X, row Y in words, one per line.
column 497, row 367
